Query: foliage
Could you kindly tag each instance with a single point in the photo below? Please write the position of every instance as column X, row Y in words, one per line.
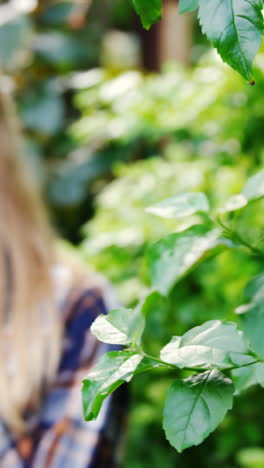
column 141, row 101
column 45, row 50
column 140, row 113
column 131, row 115
column 194, row 406
column 149, row 15
column 120, row 232
column 235, row 27
column 182, row 117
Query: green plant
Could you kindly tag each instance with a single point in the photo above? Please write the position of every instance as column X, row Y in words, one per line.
column 222, row 357
column 235, row 27
column 203, row 148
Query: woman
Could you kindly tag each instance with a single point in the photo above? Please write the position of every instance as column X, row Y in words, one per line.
column 46, row 347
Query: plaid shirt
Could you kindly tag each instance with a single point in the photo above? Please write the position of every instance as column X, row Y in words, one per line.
column 60, row 437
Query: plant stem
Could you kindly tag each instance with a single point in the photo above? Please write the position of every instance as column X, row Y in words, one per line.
column 234, row 235
column 159, row 361
column 193, row 369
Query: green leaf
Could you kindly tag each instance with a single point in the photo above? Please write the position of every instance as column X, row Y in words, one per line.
column 252, row 324
column 149, row 304
column 173, row 256
column 187, row 5
column 250, row 457
column 42, row 109
column 253, row 190
column 60, row 49
column 234, row 203
column 245, row 377
column 194, row 407
column 149, row 11
column 181, row 205
column 213, row 344
column 254, row 187
column 118, row 327
column 111, row 371
column 254, row 290
column 16, row 39
column 235, row 28
column 57, row 14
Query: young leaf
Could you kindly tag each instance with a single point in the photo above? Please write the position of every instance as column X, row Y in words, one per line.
column 151, row 302
column 254, row 187
column 187, row 5
column 120, row 326
column 149, row 11
column 181, row 205
column 236, row 202
column 213, row 344
column 194, row 407
column 252, row 324
column 254, row 290
column 235, row 28
column 245, row 377
column 111, row 371
column 173, row 256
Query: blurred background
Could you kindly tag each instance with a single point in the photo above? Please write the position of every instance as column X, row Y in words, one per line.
column 115, row 119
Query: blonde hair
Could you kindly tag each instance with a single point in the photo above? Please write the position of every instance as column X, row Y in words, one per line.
column 30, row 331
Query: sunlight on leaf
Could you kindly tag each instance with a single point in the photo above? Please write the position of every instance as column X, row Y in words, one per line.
column 181, row 205
column 213, row 344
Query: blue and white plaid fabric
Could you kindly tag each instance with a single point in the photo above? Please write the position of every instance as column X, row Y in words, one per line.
column 60, row 437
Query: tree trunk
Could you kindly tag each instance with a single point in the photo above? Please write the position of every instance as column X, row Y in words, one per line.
column 170, row 39
column 175, row 34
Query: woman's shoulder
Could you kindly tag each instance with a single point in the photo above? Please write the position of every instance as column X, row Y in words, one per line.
column 88, row 290
column 75, row 282
column 81, row 299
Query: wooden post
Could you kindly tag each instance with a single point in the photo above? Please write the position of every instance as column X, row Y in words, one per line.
column 170, row 39
column 175, row 34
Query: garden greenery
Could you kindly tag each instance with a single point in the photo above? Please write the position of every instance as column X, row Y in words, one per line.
column 235, row 27
column 222, row 357
column 197, row 146
column 204, row 128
